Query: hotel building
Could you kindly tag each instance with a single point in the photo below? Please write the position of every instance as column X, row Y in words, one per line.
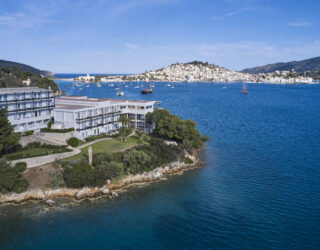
column 94, row 116
column 28, row 108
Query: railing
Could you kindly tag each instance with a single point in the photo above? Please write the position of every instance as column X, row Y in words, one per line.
column 25, row 100
column 98, row 125
column 28, row 109
column 97, row 116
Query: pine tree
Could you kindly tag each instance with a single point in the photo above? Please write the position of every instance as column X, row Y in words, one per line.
column 8, row 140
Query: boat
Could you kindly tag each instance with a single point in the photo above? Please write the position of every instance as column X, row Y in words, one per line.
column 224, row 86
column 147, row 90
column 81, row 88
column 98, row 85
column 172, row 87
column 244, row 88
column 111, row 85
column 120, row 93
column 168, row 85
column 117, row 88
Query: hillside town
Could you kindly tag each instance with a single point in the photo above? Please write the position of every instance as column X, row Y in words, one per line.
column 201, row 72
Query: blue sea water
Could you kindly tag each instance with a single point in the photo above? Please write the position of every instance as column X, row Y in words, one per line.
column 258, row 188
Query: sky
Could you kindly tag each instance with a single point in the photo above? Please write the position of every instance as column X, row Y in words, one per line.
column 132, row 36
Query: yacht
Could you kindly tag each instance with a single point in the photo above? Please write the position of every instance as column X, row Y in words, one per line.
column 120, row 93
column 244, row 88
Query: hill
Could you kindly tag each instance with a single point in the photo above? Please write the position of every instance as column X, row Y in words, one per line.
column 15, row 78
column 24, row 67
column 312, row 64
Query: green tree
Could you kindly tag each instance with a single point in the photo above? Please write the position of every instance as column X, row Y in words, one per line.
column 8, row 140
column 125, row 121
column 10, row 178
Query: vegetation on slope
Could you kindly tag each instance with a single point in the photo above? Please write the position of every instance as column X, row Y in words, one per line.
column 13, row 77
column 23, row 67
column 312, row 64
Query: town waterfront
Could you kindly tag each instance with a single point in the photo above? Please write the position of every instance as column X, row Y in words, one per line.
column 258, row 188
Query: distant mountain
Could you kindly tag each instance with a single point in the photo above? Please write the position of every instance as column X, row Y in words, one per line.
column 312, row 64
column 24, row 68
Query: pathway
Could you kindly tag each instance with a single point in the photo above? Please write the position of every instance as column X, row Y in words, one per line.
column 41, row 160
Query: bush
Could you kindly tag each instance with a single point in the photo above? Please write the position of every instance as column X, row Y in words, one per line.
column 81, row 175
column 30, row 132
column 96, row 137
column 50, row 130
column 20, row 166
column 136, row 161
column 187, row 160
column 10, row 178
column 101, row 157
column 110, row 170
column 73, row 142
column 49, row 124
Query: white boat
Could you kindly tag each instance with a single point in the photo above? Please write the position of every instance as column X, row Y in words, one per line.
column 172, row 87
column 168, row 85
column 81, row 88
column 111, row 85
column 88, row 86
column 136, row 87
column 120, row 93
column 98, row 85
column 116, row 88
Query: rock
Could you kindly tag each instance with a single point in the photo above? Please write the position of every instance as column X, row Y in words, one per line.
column 50, row 202
column 105, row 191
column 82, row 193
column 114, row 194
column 108, row 181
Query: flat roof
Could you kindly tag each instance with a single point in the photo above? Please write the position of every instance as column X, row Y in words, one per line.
column 72, row 107
column 22, row 90
column 86, row 99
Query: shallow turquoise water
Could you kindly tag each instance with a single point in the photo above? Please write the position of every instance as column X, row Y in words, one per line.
column 259, row 187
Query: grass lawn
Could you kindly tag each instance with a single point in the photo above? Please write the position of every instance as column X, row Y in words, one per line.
column 112, row 145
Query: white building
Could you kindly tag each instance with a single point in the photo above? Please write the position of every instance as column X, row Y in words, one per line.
column 28, row 108
column 94, row 116
column 86, row 78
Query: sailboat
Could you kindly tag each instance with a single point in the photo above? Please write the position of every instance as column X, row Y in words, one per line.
column 146, row 90
column 244, row 88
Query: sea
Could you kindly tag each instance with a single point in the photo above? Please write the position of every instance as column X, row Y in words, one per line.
column 259, row 187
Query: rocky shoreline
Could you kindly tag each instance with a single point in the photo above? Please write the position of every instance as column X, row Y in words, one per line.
column 110, row 190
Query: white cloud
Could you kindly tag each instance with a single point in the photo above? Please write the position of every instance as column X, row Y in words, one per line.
column 299, row 23
column 132, row 46
column 232, row 13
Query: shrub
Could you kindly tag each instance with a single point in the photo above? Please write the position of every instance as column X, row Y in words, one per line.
column 96, row 137
column 110, row 170
column 50, row 130
column 81, row 175
column 101, row 157
column 30, row 132
column 49, row 124
column 73, row 142
column 187, row 160
column 136, row 161
column 10, row 178
column 20, row 166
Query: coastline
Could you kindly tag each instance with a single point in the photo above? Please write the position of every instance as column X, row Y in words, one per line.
column 109, row 190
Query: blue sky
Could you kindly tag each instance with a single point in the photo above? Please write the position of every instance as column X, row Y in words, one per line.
column 131, row 36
